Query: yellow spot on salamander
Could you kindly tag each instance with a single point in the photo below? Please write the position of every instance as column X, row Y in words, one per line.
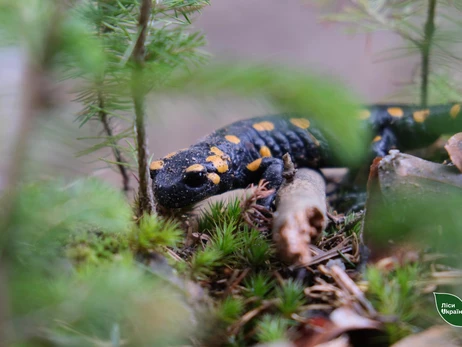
column 454, row 111
column 265, row 152
column 168, row 156
column 156, row 165
column 172, row 154
column 217, row 161
column 194, row 168
column 314, row 139
column 217, row 151
column 213, row 177
column 377, row 138
column 255, row 165
column 364, row 114
column 233, row 139
column 300, row 122
column 263, row 126
column 395, row 112
column 420, row 116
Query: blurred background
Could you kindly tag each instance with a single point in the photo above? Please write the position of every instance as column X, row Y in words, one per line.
column 290, row 33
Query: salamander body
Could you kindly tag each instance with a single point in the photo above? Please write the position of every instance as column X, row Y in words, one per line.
column 249, row 150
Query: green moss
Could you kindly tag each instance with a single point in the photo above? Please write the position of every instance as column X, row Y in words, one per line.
column 154, row 232
column 90, row 246
column 396, row 293
column 221, row 213
column 204, row 262
column 256, row 249
column 230, row 309
column 272, row 329
column 259, row 285
column 291, row 295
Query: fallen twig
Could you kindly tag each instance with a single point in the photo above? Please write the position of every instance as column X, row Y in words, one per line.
column 300, row 214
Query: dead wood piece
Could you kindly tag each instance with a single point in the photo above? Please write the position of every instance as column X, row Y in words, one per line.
column 402, row 188
column 454, row 148
column 404, row 172
column 300, row 215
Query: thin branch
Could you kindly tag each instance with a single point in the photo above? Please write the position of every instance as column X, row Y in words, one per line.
column 103, row 116
column 115, row 150
column 429, row 31
column 145, row 204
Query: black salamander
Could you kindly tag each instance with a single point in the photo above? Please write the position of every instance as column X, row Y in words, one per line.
column 249, row 150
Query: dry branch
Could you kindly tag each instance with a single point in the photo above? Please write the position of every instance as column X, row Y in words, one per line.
column 301, row 214
column 115, row 151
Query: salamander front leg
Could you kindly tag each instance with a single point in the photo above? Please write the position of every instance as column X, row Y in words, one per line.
column 269, row 169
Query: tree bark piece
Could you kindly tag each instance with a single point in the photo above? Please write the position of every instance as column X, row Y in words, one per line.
column 454, row 148
column 412, row 184
column 403, row 171
column 300, row 216
column 409, row 199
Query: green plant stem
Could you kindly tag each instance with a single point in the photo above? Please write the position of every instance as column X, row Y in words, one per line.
column 146, row 204
column 429, row 30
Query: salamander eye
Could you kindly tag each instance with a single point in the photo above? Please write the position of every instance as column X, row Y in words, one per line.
column 195, row 179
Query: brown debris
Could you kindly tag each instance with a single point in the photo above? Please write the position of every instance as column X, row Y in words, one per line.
column 349, row 286
column 301, row 214
column 343, row 291
column 454, row 148
column 255, row 215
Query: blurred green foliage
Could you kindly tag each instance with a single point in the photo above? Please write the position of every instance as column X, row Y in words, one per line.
column 85, row 224
column 323, row 100
column 47, row 213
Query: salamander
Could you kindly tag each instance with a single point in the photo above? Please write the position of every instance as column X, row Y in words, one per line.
column 249, row 150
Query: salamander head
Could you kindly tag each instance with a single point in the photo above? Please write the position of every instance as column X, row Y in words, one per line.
column 185, row 177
